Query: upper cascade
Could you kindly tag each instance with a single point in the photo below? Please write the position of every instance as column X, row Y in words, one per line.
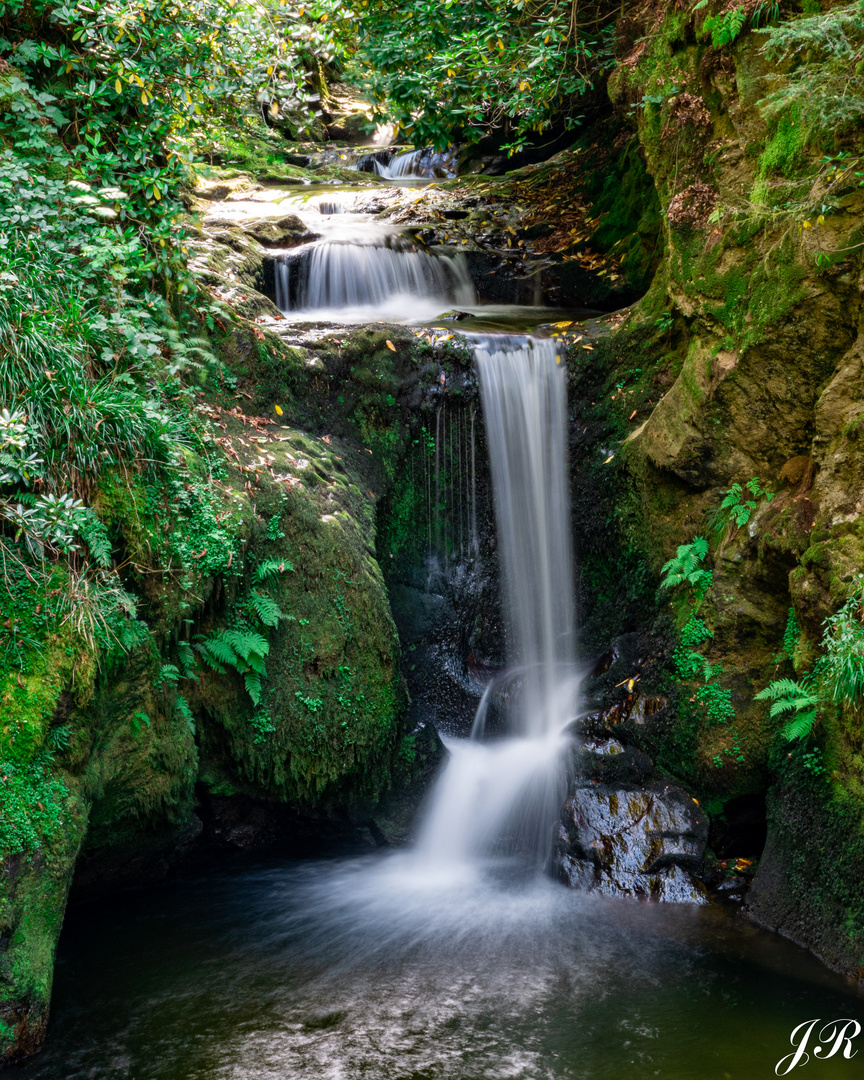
column 351, row 281
column 425, row 164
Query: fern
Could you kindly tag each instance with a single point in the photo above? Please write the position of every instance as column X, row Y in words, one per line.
column 96, row 536
column 186, row 656
column 253, row 686
column 266, row 608
column 181, row 707
column 248, row 645
column 241, row 650
column 787, row 696
column 736, row 508
column 168, row 673
column 271, row 567
column 685, row 568
column 726, row 27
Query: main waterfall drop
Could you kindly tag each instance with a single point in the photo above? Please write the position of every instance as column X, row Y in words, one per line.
column 502, row 794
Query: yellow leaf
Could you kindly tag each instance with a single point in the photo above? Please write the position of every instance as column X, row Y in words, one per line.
column 274, row 108
column 820, row 220
column 546, row 39
column 562, row 324
column 324, row 17
column 523, row 85
column 144, row 98
column 270, row 70
column 590, row 348
column 118, row 86
column 157, row 194
column 608, row 459
column 278, row 410
column 500, row 44
column 390, row 345
column 807, row 225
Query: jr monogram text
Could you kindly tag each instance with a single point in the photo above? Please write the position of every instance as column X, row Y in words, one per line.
column 823, row 1039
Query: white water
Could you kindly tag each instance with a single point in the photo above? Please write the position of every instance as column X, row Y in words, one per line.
column 425, row 163
column 357, row 282
column 502, row 795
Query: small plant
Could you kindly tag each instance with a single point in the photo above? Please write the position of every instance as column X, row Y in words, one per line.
column 241, row 650
column 261, row 724
column 842, row 666
column 689, row 663
column 799, row 699
column 813, row 763
column 739, row 504
column 714, row 700
column 791, row 637
column 274, row 532
column 726, row 27
column 686, row 567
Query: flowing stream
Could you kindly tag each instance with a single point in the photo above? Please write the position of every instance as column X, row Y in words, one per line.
column 458, row 959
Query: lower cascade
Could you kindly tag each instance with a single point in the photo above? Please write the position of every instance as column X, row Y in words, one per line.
column 504, row 793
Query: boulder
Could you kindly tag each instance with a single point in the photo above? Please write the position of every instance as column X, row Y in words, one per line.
column 630, row 841
column 288, row 231
column 217, row 190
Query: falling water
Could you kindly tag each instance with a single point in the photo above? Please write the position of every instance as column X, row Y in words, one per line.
column 504, row 793
column 358, row 281
column 423, row 164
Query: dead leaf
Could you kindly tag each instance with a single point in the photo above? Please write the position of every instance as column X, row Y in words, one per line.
column 390, row 345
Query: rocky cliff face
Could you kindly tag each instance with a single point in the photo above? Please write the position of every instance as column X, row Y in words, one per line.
column 747, row 352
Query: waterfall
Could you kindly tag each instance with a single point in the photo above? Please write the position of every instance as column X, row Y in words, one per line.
column 358, row 281
column 505, row 792
column 425, row 164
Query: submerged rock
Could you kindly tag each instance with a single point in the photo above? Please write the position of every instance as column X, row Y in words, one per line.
column 628, row 841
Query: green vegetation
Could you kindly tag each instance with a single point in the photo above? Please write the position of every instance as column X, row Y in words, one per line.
column 686, row 568
column 446, row 71
column 824, row 82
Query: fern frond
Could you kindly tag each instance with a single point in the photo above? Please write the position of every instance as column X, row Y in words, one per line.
column 778, row 688
column 271, row 567
column 266, row 608
column 800, row 727
column 246, row 643
column 186, row 656
column 205, row 651
column 253, row 686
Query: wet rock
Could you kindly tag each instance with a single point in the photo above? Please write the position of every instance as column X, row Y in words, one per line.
column 610, row 762
column 288, row 231
column 642, row 842
column 216, row 190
